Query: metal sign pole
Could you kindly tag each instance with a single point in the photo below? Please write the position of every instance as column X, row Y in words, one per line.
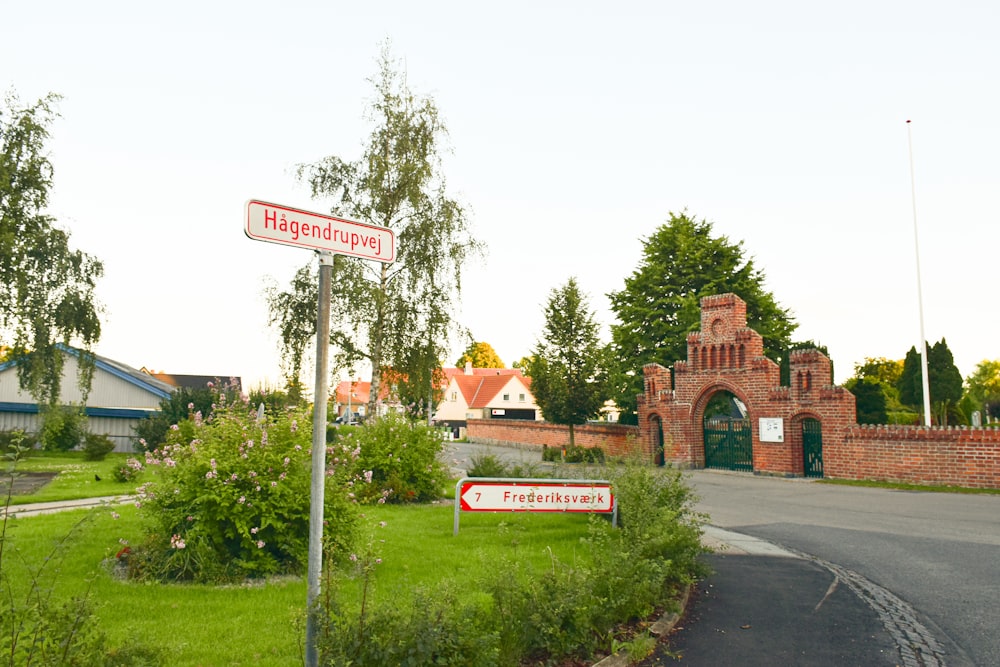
column 326, row 235
column 315, row 567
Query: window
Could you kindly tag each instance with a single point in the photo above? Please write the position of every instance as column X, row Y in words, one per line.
column 506, row 397
column 520, row 397
column 454, row 396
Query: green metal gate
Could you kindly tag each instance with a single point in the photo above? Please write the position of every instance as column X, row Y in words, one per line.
column 729, row 445
column 812, row 447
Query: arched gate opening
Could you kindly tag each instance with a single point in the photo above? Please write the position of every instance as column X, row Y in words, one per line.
column 728, row 435
column 812, row 448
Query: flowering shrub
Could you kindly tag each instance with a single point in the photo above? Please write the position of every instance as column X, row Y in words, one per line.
column 231, row 498
column 399, row 459
column 128, row 472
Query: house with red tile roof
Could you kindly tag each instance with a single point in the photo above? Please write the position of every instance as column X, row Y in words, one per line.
column 484, row 393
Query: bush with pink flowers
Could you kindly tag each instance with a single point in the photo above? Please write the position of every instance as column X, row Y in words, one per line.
column 230, row 498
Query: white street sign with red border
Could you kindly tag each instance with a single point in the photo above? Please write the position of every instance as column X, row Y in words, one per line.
column 303, row 229
column 536, row 497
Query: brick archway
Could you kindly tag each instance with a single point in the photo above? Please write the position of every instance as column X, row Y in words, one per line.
column 727, row 355
column 726, row 441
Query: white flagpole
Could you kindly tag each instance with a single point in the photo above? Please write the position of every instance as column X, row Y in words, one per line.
column 920, row 298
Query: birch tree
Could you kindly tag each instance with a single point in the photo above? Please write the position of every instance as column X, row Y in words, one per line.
column 46, row 286
column 383, row 313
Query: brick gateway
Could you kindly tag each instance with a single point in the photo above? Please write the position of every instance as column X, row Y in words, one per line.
column 812, row 416
column 727, row 355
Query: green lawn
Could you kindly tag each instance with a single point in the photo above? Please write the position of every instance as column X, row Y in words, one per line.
column 77, row 478
column 900, row 486
column 260, row 624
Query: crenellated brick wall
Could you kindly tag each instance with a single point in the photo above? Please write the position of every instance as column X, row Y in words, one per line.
column 950, row 456
column 911, row 454
column 614, row 439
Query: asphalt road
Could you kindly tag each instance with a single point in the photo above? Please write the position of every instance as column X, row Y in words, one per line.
column 939, row 552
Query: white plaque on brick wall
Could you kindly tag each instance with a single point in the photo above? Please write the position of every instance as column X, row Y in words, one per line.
column 772, row 429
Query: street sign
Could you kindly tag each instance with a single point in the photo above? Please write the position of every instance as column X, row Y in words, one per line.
column 535, row 497
column 303, row 229
column 490, row 494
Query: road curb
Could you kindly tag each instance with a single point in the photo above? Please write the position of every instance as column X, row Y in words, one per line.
column 659, row 629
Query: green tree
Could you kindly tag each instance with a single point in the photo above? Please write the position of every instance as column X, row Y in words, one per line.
column 983, row 388
column 380, row 312
column 785, row 365
column 871, row 403
column 482, row 355
column 681, row 262
column 420, row 390
column 943, row 378
column 568, row 365
column 880, row 369
column 47, row 289
column 870, row 399
column 910, row 381
column 522, row 363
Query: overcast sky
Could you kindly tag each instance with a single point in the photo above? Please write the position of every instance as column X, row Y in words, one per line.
column 575, row 129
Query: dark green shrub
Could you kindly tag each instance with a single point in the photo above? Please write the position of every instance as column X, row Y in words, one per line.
column 97, row 447
column 63, row 428
column 487, row 465
column 577, row 454
column 25, row 442
column 523, row 470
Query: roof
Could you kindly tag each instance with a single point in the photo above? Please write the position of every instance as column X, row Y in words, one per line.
column 484, row 382
column 451, row 372
column 360, row 391
column 480, row 390
column 118, row 369
column 195, row 381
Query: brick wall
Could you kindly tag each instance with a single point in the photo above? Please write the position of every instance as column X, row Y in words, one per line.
column 614, row 439
column 952, row 456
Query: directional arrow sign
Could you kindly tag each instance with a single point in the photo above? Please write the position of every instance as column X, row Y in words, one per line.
column 536, row 497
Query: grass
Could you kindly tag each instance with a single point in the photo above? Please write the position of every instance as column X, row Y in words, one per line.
column 260, row 624
column 77, row 477
column 900, row 486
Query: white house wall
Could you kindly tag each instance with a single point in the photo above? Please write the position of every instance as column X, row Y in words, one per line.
column 453, row 410
column 459, row 410
column 514, row 388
